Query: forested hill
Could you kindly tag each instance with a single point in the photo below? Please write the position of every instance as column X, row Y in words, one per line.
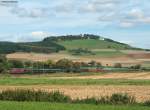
column 58, row 43
column 38, row 47
column 88, row 41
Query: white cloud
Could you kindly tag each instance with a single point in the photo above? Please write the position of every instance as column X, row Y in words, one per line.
column 135, row 17
column 127, row 42
column 39, row 34
column 126, row 24
column 137, row 13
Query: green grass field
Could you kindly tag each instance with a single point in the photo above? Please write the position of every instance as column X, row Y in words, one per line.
column 90, row 44
column 46, row 81
column 58, row 106
column 107, row 54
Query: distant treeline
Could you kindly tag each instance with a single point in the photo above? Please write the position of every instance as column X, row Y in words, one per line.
column 39, row 47
column 72, row 37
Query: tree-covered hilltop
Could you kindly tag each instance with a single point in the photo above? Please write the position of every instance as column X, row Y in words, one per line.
column 58, row 43
column 72, row 37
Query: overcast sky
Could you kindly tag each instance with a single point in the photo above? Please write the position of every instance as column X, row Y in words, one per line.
column 127, row 21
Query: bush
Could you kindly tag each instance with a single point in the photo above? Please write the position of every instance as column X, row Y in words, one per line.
column 87, row 101
column 29, row 95
column 138, row 66
column 118, row 65
column 3, row 64
column 58, row 97
column 16, row 64
column 122, row 99
column 116, row 99
column 147, row 103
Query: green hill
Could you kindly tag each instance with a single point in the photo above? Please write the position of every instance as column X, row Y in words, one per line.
column 88, row 41
column 92, row 44
column 58, row 43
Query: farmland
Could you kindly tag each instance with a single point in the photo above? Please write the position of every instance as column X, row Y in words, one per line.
column 106, row 56
column 82, row 86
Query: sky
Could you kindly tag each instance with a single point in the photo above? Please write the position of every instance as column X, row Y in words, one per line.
column 127, row 21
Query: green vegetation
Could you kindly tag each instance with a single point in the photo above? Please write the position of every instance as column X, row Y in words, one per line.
column 100, row 53
column 40, row 99
column 108, row 53
column 114, row 99
column 56, row 96
column 61, row 106
column 38, row 47
column 92, row 44
column 4, row 65
column 37, row 96
column 81, row 51
column 46, row 81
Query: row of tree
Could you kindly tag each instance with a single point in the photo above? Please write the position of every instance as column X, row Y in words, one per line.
column 63, row 64
column 72, row 37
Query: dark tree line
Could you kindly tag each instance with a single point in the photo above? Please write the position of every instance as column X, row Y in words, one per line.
column 72, row 37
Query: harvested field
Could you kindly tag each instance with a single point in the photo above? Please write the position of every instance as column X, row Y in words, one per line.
column 38, row 57
column 124, row 59
column 141, row 93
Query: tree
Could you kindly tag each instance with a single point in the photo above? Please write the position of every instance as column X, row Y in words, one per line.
column 3, row 63
column 92, row 63
column 138, row 66
column 99, row 64
column 16, row 64
column 50, row 64
column 64, row 64
column 28, row 64
column 118, row 65
column 2, row 68
column 76, row 67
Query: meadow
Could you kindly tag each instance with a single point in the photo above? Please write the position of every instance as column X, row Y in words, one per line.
column 90, row 44
column 61, row 106
column 63, row 81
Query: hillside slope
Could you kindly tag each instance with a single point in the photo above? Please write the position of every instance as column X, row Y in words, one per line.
column 88, row 41
column 58, row 43
column 38, row 47
column 92, row 44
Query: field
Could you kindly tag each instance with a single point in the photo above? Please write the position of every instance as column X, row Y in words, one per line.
column 82, row 86
column 105, row 56
column 57, row 106
column 90, row 44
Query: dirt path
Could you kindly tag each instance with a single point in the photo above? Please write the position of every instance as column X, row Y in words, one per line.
column 141, row 93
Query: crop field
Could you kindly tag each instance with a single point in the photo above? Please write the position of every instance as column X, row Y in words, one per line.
column 83, row 86
column 141, row 93
column 58, row 106
column 105, row 56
